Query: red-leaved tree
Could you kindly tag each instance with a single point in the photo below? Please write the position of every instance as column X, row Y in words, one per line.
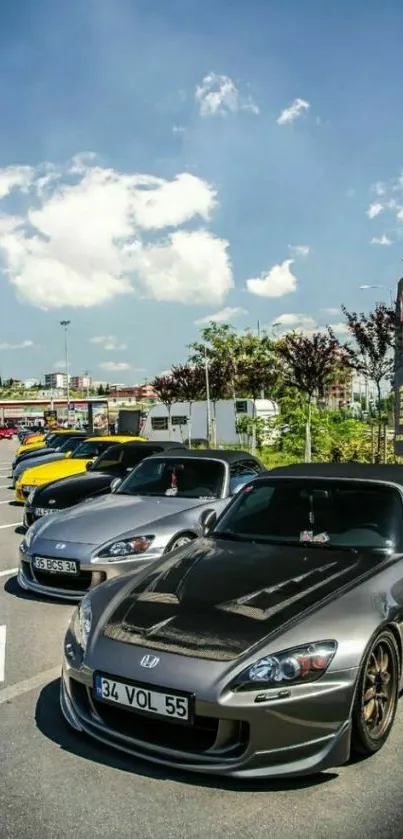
column 310, row 363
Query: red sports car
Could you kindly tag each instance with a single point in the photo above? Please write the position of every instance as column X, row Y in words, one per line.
column 7, row 433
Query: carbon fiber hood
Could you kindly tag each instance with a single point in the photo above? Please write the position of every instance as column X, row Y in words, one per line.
column 216, row 600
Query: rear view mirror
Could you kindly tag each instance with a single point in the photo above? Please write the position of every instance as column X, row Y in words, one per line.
column 208, row 520
column 115, row 484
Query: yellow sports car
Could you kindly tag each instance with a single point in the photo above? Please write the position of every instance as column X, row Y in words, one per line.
column 89, row 450
column 42, row 440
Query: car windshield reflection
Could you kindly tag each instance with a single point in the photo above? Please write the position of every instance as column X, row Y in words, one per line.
column 331, row 514
column 88, row 450
column 181, row 478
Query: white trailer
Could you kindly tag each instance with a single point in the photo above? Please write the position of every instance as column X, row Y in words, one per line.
column 191, row 422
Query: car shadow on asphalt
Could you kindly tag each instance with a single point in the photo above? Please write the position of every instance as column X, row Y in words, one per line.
column 12, row 587
column 51, row 724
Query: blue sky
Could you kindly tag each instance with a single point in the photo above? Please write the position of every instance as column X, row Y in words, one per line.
column 231, row 187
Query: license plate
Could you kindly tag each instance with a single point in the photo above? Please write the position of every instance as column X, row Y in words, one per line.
column 55, row 566
column 144, row 699
column 41, row 511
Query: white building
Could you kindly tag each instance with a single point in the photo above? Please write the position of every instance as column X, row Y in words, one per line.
column 55, row 381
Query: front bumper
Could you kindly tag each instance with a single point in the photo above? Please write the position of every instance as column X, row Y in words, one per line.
column 280, row 739
column 30, row 514
column 71, row 587
column 20, row 496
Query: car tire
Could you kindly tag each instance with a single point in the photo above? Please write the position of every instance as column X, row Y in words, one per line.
column 180, row 541
column 377, row 696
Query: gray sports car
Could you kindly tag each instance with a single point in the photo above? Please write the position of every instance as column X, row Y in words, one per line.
column 272, row 646
column 157, row 508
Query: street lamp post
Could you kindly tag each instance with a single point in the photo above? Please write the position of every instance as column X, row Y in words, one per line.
column 207, row 380
column 65, row 324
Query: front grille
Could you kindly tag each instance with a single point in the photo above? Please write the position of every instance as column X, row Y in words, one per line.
column 70, row 582
column 193, row 738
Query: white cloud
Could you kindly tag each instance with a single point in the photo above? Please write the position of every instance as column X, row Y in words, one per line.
column 219, row 95
column 178, row 129
column 300, row 250
column 339, row 328
column 23, row 346
column 290, row 321
column 374, row 210
column 15, row 176
column 222, row 316
column 379, row 188
column 277, row 282
column 108, row 342
column 331, row 310
column 114, row 366
column 306, row 324
column 295, row 110
column 190, row 267
column 380, row 240
column 82, row 239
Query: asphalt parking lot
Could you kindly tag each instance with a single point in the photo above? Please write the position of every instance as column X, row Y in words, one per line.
column 55, row 785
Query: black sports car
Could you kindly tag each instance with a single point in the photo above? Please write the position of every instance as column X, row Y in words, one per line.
column 115, row 462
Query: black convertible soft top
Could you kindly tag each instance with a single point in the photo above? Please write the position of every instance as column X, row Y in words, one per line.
column 390, row 472
column 228, row 455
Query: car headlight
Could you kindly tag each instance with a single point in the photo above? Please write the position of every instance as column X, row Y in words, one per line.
column 83, row 622
column 296, row 666
column 26, row 542
column 28, row 488
column 127, row 547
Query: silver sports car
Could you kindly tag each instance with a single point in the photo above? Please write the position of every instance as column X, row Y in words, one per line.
column 272, row 646
column 157, row 508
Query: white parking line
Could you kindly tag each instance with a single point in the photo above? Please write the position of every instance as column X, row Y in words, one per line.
column 2, row 652
column 13, row 524
column 5, row 502
column 7, row 694
column 9, row 572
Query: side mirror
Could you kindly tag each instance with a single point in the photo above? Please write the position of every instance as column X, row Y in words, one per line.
column 68, row 454
column 88, row 465
column 208, row 520
column 115, row 484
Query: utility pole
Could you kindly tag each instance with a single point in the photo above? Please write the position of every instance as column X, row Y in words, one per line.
column 258, row 335
column 65, row 324
column 207, row 378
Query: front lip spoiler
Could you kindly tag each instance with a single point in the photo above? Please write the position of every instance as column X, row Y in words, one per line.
column 335, row 752
column 47, row 591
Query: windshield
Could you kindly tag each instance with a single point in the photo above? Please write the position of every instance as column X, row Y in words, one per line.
column 180, row 477
column 71, row 444
column 342, row 514
column 55, row 440
column 122, row 458
column 91, row 449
